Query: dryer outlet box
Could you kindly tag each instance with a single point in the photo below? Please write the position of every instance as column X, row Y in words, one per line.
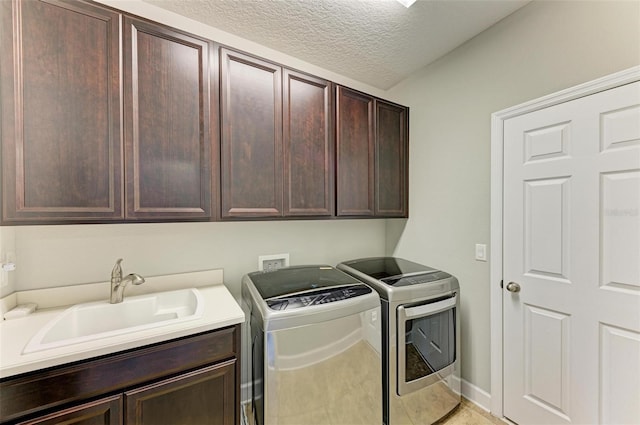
column 273, row 262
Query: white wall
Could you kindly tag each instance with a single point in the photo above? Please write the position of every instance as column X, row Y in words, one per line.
column 50, row 256
column 542, row 48
column 7, row 254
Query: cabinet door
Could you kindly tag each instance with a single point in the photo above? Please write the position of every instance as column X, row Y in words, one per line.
column 106, row 411
column 205, row 396
column 355, row 153
column 251, row 145
column 391, row 160
column 167, row 123
column 308, row 146
column 60, row 94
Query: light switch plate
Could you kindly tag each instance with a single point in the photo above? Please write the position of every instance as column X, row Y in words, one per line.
column 481, row 252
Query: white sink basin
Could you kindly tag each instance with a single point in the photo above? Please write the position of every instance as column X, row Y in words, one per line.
column 96, row 320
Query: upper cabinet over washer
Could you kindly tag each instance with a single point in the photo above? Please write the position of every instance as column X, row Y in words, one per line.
column 251, row 143
column 309, row 145
column 277, row 140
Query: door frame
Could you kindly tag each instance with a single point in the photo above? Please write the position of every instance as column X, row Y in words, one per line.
column 496, row 237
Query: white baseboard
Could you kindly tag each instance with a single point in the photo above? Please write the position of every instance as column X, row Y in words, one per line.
column 245, row 392
column 476, row 395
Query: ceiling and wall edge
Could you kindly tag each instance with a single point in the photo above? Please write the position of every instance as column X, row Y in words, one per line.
column 149, row 11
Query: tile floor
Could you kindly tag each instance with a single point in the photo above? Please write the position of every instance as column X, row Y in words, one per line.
column 470, row 414
column 466, row 414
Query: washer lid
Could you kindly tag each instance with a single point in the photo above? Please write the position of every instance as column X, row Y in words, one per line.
column 396, row 272
column 299, row 279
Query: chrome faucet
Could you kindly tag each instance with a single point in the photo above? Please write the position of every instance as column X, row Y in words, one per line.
column 118, row 283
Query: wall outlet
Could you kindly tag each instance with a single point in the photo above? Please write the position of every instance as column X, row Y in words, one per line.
column 269, row 263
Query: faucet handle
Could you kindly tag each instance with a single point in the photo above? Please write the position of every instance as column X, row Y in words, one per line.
column 117, row 270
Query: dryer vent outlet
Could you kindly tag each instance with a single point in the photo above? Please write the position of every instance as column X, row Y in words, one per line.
column 269, row 263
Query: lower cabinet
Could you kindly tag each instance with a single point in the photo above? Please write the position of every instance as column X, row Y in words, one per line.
column 193, row 380
column 199, row 397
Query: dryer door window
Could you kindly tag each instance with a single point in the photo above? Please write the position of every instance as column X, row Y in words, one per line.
column 426, row 343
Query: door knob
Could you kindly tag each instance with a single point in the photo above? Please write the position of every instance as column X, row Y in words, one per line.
column 513, row 287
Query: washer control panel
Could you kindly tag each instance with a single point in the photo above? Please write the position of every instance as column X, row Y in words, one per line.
column 321, row 296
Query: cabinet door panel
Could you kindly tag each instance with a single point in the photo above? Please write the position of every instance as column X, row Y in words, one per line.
column 355, row 156
column 168, row 139
column 308, row 145
column 61, row 143
column 106, row 411
column 205, row 396
column 251, row 145
column 391, row 160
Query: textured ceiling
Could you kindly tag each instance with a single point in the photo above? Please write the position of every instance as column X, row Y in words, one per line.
column 377, row 42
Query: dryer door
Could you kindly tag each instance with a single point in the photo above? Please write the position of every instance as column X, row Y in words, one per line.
column 426, row 343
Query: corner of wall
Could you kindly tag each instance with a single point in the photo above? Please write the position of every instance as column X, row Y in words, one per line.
column 394, row 228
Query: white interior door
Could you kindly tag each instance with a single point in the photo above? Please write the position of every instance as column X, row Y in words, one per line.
column 572, row 245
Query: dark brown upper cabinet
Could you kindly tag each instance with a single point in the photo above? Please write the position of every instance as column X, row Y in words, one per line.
column 372, row 155
column 61, row 107
column 251, row 144
column 309, row 146
column 167, row 123
column 277, row 140
column 355, row 152
column 64, row 157
column 391, row 173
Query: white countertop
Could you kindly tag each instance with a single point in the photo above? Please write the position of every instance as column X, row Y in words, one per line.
column 220, row 310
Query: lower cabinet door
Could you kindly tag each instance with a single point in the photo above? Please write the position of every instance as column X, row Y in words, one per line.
column 106, row 411
column 205, row 396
